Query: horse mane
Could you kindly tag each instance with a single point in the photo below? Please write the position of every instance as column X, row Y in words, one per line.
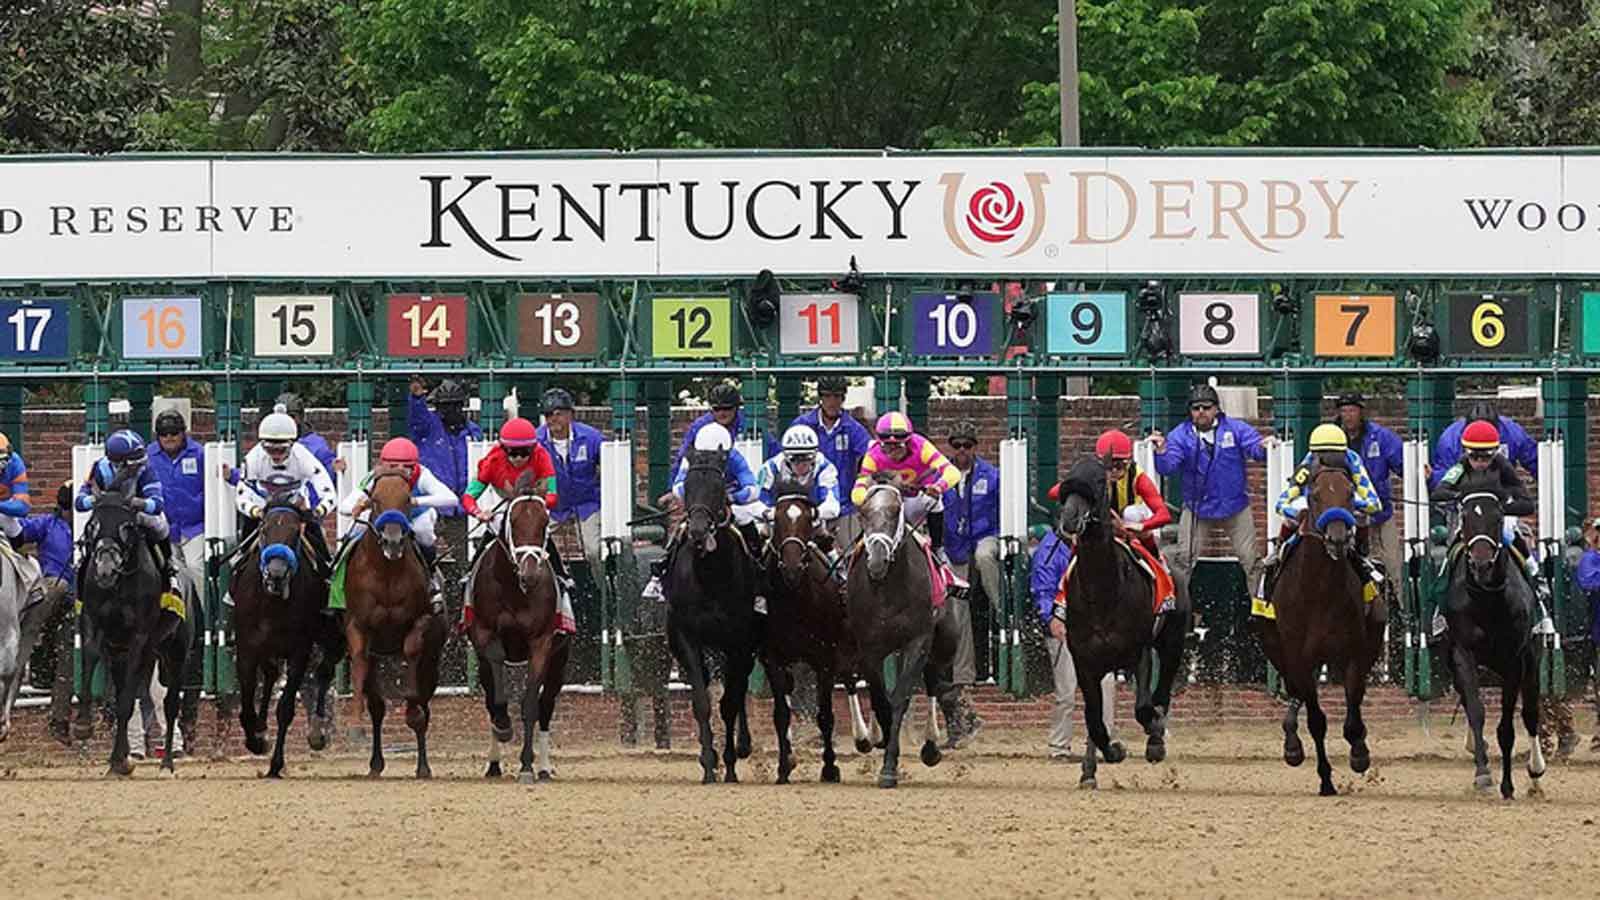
column 1086, row 479
column 699, row 458
column 527, row 485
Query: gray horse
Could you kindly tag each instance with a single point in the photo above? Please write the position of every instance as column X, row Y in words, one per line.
column 23, row 614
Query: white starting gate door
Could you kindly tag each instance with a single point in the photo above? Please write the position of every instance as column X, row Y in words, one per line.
column 357, row 456
column 616, row 534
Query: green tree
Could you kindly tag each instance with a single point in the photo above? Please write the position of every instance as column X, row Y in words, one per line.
column 1541, row 59
column 1163, row 73
column 76, row 75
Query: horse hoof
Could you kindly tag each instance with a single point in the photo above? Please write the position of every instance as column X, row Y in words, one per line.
column 256, row 744
column 930, row 754
column 744, row 748
column 526, row 778
column 424, row 773
column 888, row 780
column 1294, row 753
column 863, row 745
column 708, row 778
column 1088, row 783
column 1360, row 762
column 1155, row 751
column 547, row 775
column 168, row 772
column 1328, row 790
column 317, row 741
column 375, row 773
column 1116, row 753
column 1483, row 782
column 830, row 774
column 731, row 778
column 494, row 771
column 501, row 735
column 83, row 731
column 119, row 770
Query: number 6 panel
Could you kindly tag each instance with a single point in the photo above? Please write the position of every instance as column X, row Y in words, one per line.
column 1488, row 325
column 1219, row 324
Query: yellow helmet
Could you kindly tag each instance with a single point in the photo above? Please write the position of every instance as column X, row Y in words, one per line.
column 1328, row 436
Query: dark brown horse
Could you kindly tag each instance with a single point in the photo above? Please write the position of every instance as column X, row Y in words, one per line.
column 805, row 621
column 278, row 602
column 387, row 613
column 515, row 606
column 1322, row 618
column 889, row 590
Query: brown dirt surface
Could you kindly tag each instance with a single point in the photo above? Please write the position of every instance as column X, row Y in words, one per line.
column 1223, row 817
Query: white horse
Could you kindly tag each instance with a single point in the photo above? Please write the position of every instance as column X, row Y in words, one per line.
column 22, row 619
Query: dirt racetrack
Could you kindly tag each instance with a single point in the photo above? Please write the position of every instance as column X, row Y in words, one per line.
column 1222, row 818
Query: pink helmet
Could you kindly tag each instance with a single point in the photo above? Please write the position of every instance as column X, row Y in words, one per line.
column 518, row 432
column 399, row 451
column 895, row 425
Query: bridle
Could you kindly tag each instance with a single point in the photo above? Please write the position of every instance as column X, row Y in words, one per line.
column 891, row 543
column 717, row 519
column 808, row 549
column 1495, row 540
column 518, row 552
column 1319, row 528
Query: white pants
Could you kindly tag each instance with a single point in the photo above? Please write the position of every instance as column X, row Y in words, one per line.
column 748, row 513
column 916, row 508
column 1066, row 696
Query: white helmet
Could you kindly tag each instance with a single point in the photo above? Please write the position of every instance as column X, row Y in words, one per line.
column 713, row 436
column 799, row 440
column 278, row 427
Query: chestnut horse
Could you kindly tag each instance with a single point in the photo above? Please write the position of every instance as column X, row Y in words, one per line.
column 514, row 602
column 387, row 612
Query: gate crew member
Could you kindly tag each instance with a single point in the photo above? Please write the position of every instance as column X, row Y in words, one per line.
column 1515, row 443
column 574, row 450
column 727, row 410
column 972, row 538
column 844, row 441
column 1382, row 455
column 179, row 464
column 1048, row 568
column 14, row 500
column 1210, row 451
column 56, row 589
column 428, row 496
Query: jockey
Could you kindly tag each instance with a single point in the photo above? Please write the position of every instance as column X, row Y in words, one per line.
column 1134, row 494
column 801, row 462
column 915, row 463
column 743, row 493
column 517, row 453
column 125, row 469
column 1326, row 438
column 428, row 495
column 277, row 452
column 14, row 500
column 1481, row 441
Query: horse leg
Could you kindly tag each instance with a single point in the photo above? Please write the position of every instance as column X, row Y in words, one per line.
column 422, row 648
column 538, row 659
column 1168, row 654
column 1318, row 722
column 1144, row 707
column 364, row 681
column 830, row 768
column 735, row 727
column 1530, row 715
column 320, row 731
column 858, row 724
column 125, row 678
column 492, row 672
column 255, row 738
column 692, row 666
column 1094, row 717
column 263, row 697
column 286, row 703
column 1464, row 671
column 907, row 680
column 1294, row 752
column 173, row 665
column 1510, row 688
column 1355, row 727
column 83, row 728
column 782, row 680
column 555, row 676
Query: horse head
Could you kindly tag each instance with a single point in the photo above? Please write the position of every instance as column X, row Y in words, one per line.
column 390, row 502
column 705, row 497
column 883, row 526
column 113, row 535
column 1330, row 498
column 1482, row 526
column 282, row 527
column 526, row 524
column 794, row 519
column 1084, row 501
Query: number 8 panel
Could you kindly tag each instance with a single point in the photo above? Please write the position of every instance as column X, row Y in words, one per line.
column 1219, row 324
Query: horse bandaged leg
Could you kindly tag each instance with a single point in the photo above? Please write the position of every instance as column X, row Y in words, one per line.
column 541, row 750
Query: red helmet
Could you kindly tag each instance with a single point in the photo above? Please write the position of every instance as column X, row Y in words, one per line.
column 1114, row 444
column 399, row 451
column 1480, row 435
column 518, row 432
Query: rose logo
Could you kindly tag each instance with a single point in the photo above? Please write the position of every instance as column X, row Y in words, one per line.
column 993, row 213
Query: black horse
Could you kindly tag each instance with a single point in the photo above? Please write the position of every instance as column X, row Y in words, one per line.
column 1489, row 610
column 279, row 599
column 888, row 604
column 711, row 586
column 120, row 586
column 1111, row 618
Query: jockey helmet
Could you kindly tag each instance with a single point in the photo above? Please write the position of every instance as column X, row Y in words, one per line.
column 894, row 425
column 1115, row 444
column 1352, row 398
column 712, row 436
column 398, row 452
column 799, row 443
column 1203, row 393
column 125, row 449
column 725, row 396
column 1328, row 436
column 518, row 432
column 1481, row 435
column 170, row 422
column 557, row 399
column 277, row 432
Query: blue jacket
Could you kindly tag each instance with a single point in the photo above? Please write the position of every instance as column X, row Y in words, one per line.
column 1050, row 560
column 843, row 446
column 1589, row 583
column 444, row 453
column 325, row 454
column 742, row 486
column 1214, row 485
column 1519, row 446
column 578, row 475
column 53, row 534
column 103, row 475
column 183, row 486
column 972, row 511
column 15, row 477
column 769, row 445
column 1383, row 454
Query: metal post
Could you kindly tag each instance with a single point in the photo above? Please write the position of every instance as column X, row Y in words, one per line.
column 658, row 400
column 398, row 395
column 1067, row 23
column 11, row 414
column 491, row 413
column 788, row 402
column 141, row 394
column 1430, row 402
column 1565, row 414
column 359, row 395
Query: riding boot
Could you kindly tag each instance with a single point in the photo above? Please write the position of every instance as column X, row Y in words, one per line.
column 430, row 557
column 167, row 561
column 658, row 571
column 558, row 565
column 752, row 542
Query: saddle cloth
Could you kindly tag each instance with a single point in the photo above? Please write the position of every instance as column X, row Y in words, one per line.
column 566, row 621
column 1164, row 594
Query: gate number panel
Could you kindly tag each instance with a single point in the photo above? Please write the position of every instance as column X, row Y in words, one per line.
column 34, row 330
column 1086, row 324
column 1348, row 325
column 691, row 327
column 1219, row 324
column 816, row 324
column 294, row 325
column 1489, row 325
column 949, row 325
column 161, row 328
column 558, row 325
column 427, row 325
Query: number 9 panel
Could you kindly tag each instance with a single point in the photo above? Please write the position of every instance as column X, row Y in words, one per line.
column 1219, row 324
column 557, row 326
column 1086, row 324
column 293, row 326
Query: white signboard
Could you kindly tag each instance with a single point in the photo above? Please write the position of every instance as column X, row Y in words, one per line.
column 819, row 324
column 1219, row 324
column 294, row 325
column 624, row 215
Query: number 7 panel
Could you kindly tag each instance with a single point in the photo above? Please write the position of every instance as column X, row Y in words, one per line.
column 1354, row 325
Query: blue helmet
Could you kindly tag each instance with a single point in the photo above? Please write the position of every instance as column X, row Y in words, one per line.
column 125, row 448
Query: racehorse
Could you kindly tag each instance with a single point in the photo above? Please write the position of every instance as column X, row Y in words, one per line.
column 1489, row 611
column 124, row 622
column 514, row 605
column 21, row 625
column 1111, row 619
column 1323, row 616
column 278, row 607
column 805, row 621
column 889, row 594
column 387, row 612
column 711, row 585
